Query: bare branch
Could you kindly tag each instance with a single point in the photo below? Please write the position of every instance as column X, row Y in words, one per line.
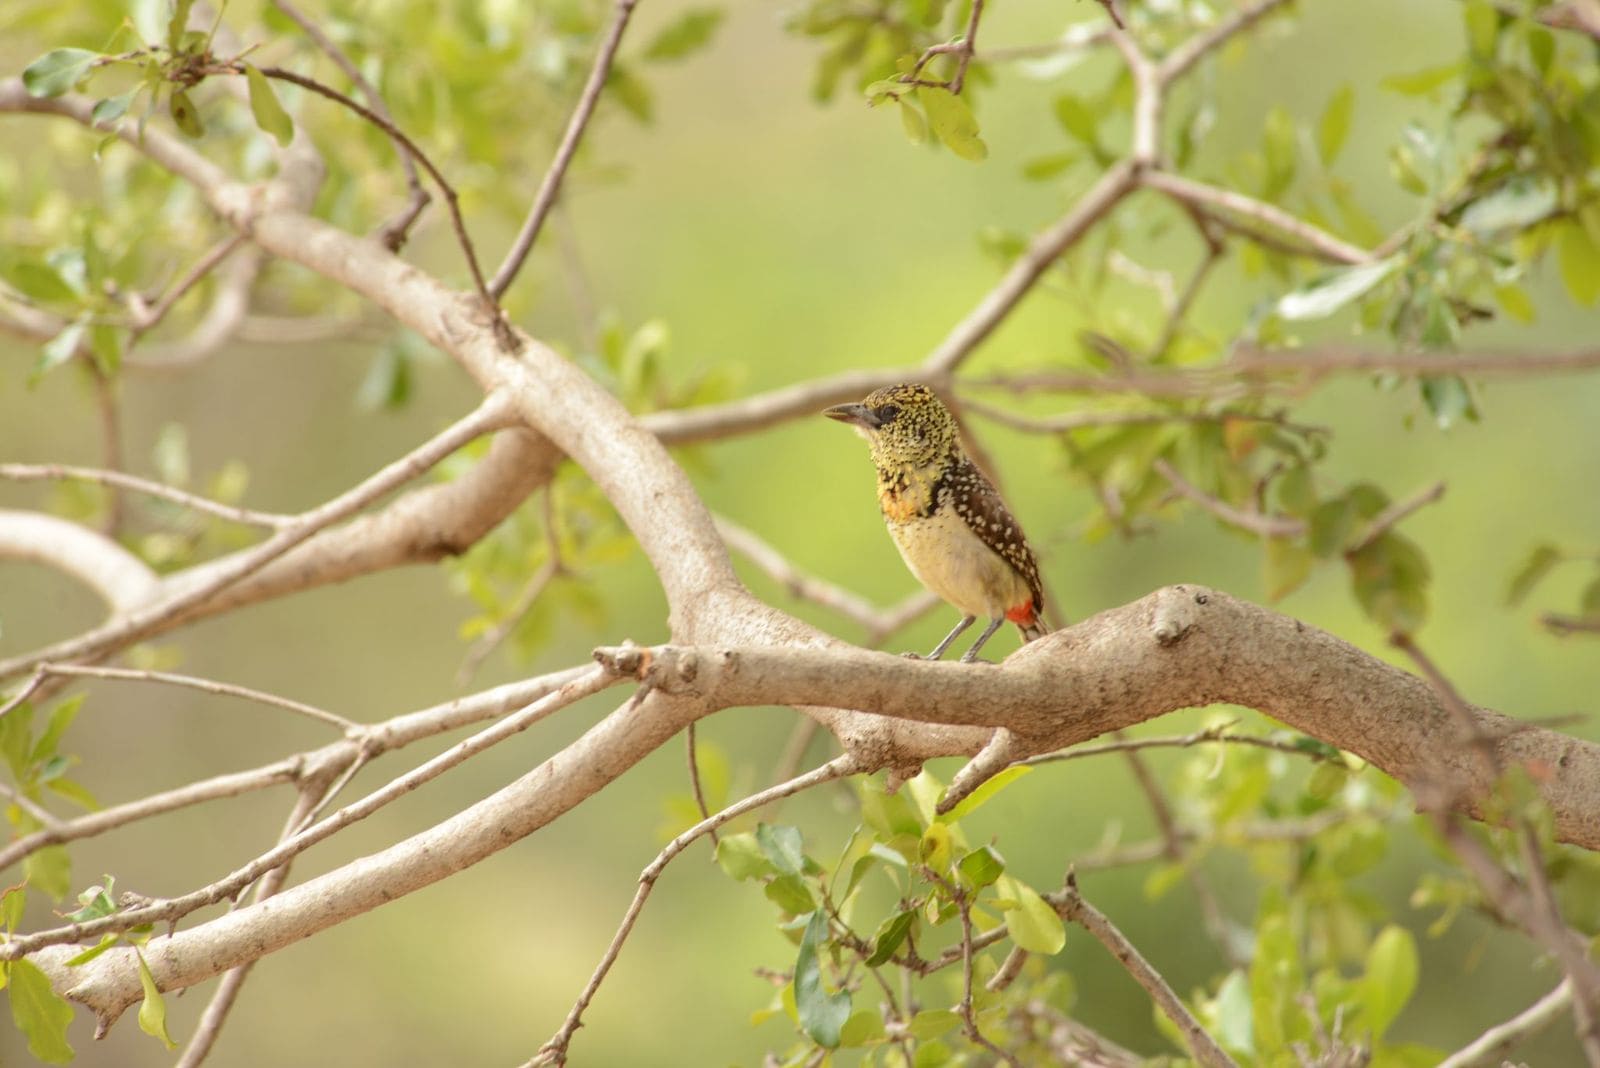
column 1385, row 520
column 147, row 319
column 121, row 579
column 105, row 477
column 1268, row 526
column 174, row 909
column 1315, row 240
column 1115, row 183
column 337, row 759
column 555, row 1050
column 545, row 198
column 225, row 689
column 1210, row 735
column 1070, row 903
column 1186, row 55
column 394, row 232
column 132, row 625
column 1488, row 1050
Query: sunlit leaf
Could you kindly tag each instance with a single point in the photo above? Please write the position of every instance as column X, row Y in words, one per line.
column 264, row 105
column 952, row 122
column 1334, row 126
column 58, row 71
column 1391, row 977
column 39, row 1012
column 782, row 846
column 689, row 32
column 153, row 1009
column 1332, row 292
column 1579, row 258
column 987, row 791
column 1034, row 925
column 1535, row 567
column 890, row 934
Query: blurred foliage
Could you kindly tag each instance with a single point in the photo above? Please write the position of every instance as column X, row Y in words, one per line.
column 1501, row 182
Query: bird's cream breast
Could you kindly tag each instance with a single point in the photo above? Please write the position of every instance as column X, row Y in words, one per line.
column 953, row 562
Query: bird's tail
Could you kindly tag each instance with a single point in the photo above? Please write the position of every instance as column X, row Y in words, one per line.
column 1030, row 621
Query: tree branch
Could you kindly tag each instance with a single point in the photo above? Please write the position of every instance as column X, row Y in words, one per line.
column 545, row 198
column 121, row 579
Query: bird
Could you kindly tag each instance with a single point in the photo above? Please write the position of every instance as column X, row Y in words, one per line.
column 952, row 529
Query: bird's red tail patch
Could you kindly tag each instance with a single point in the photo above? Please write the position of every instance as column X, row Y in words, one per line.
column 1022, row 615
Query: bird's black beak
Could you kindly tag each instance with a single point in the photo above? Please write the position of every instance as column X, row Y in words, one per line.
column 854, row 414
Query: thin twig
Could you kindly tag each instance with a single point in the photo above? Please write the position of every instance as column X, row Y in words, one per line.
column 1072, row 907
column 1488, row 1050
column 493, row 638
column 44, row 816
column 1059, row 424
column 225, row 689
column 105, row 395
column 969, row 1020
column 216, row 1012
column 1268, row 526
column 545, row 198
column 1186, row 55
column 342, row 758
column 122, row 480
column 1210, row 735
column 961, row 48
column 146, row 319
column 1385, row 520
column 1562, row 624
column 694, row 779
column 502, row 329
column 554, row 1052
column 592, row 681
column 392, row 233
column 1316, row 241
column 491, row 414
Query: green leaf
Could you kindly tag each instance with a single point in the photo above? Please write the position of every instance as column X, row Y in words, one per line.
column 863, row 1028
column 1448, row 399
column 1483, row 28
column 1334, row 126
column 1422, row 82
column 891, row 933
column 1515, row 300
column 791, row 894
column 57, row 72
column 185, row 115
column 741, row 856
column 12, row 902
column 1331, row 292
column 153, row 1011
column 934, row 849
column 931, row 1023
column 61, row 348
column 264, row 105
column 953, row 122
column 61, row 717
column 1589, row 601
column 1078, row 118
column 1034, row 924
column 39, row 1012
column 38, row 281
column 1042, row 167
column 1277, row 148
column 49, row 869
column 1297, row 494
column 1391, row 977
column 986, row 791
column 387, row 384
column 981, row 867
column 112, row 108
column 822, row 1015
column 105, row 943
column 911, row 119
column 178, row 24
column 688, row 33
column 1513, row 206
column 1285, row 565
column 782, row 846
column 1579, row 258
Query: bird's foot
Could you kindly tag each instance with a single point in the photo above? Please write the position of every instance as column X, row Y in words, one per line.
column 913, row 656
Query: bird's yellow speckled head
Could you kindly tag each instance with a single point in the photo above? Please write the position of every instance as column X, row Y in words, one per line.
column 906, row 425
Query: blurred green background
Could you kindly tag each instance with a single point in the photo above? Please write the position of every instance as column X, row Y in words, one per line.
column 778, row 240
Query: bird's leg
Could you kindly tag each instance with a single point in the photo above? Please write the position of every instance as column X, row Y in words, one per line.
column 938, row 650
column 972, row 654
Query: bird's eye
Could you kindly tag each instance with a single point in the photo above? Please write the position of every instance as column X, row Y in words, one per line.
column 888, row 412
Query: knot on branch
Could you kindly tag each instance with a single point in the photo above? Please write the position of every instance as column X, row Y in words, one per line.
column 1176, row 611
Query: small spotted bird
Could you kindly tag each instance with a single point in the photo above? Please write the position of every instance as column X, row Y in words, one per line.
column 950, row 525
